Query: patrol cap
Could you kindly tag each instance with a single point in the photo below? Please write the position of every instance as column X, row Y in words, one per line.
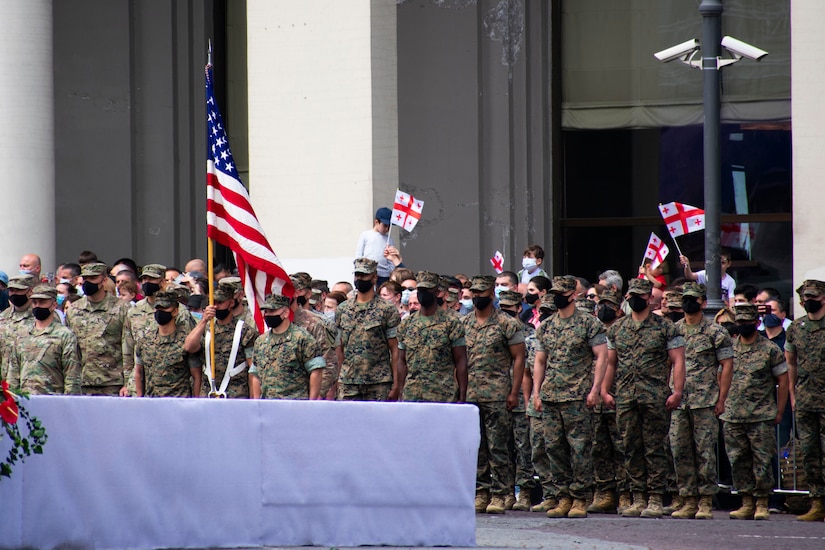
column 22, row 282
column 673, row 298
column 452, row 295
column 301, row 280
column 547, row 303
column 746, row 312
column 166, row 298
column 691, row 288
column 233, row 284
column 426, row 280
column 480, row 283
column 443, row 283
column 365, row 265
column 44, row 292
column 155, row 271
column 563, row 283
column 275, row 301
column 315, row 297
column 639, row 286
column 812, row 288
column 94, row 268
column 585, row 305
column 181, row 292
column 610, row 296
column 222, row 294
column 509, row 298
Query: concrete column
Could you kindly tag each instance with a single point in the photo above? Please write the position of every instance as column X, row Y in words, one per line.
column 27, row 140
column 323, row 118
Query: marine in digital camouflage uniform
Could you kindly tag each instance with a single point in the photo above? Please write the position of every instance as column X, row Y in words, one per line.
column 43, row 361
column 15, row 319
column 287, row 359
column 240, row 309
column 571, row 353
column 805, row 353
column 639, row 347
column 163, row 368
column 366, row 342
column 432, row 353
column 495, row 358
column 321, row 328
column 97, row 321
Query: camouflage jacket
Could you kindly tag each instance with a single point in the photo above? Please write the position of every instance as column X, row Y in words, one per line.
column 364, row 331
column 529, row 362
column 165, row 364
column 489, row 362
column 706, row 344
column 753, row 388
column 44, row 362
column 323, row 330
column 99, row 331
column 806, row 338
column 140, row 318
column 283, row 363
column 12, row 324
column 224, row 335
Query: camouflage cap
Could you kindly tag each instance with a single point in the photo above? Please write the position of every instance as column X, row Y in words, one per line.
column 547, row 303
column 746, row 312
column 639, row 286
column 301, row 280
column 275, row 301
column 222, row 294
column 563, row 283
column 93, row 269
column 232, row 284
column 452, row 295
column 181, row 292
column 316, row 295
column 481, row 283
column 509, row 298
column 691, row 288
column 673, row 299
column 365, row 265
column 426, row 279
column 812, row 288
column 155, row 271
column 44, row 292
column 167, row 297
column 610, row 296
column 22, row 282
column 443, row 283
column 584, row 305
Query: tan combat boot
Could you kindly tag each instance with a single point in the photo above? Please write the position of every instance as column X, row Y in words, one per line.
column 560, row 511
column 688, row 509
column 762, row 511
column 816, row 513
column 579, row 509
column 523, row 501
column 639, row 504
column 509, row 501
column 676, row 504
column 705, row 507
column 603, row 503
column 746, row 511
column 625, row 502
column 544, row 505
column 482, row 500
column 654, row 507
column 496, row 505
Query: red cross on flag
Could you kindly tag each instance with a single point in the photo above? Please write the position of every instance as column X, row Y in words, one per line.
column 656, row 251
column 682, row 218
column 406, row 211
column 498, row 262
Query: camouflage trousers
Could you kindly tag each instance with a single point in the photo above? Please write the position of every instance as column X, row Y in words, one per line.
column 693, row 436
column 106, row 391
column 364, row 392
column 607, row 454
column 541, row 463
column 644, row 428
column 493, row 470
column 522, row 451
column 811, row 429
column 568, row 437
column 750, row 447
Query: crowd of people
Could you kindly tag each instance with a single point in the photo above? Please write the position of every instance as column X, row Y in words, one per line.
column 604, row 397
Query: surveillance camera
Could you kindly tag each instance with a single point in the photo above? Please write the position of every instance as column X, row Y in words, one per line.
column 743, row 49
column 676, row 52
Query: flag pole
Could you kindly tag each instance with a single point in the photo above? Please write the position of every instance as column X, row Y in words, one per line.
column 673, row 238
column 210, row 258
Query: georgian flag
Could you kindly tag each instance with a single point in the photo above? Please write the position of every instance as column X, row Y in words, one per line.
column 406, row 211
column 656, row 251
column 682, row 218
column 498, row 262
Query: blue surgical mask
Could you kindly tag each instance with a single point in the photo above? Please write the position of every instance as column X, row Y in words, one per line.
column 468, row 303
column 405, row 296
column 25, row 272
column 500, row 288
column 330, row 315
column 60, row 300
column 197, row 315
column 771, row 320
column 529, row 263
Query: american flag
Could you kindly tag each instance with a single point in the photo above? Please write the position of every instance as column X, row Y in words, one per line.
column 231, row 220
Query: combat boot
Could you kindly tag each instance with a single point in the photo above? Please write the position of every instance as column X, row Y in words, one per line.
column 654, row 507
column 603, row 503
column 705, row 507
column 639, row 504
column 816, row 513
column 482, row 500
column 676, row 504
column 688, row 509
column 746, row 511
column 509, row 501
column 523, row 501
column 560, row 511
column 579, row 509
column 762, row 511
column 496, row 505
column 544, row 505
column 625, row 502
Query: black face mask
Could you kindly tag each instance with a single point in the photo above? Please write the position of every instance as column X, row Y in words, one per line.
column 691, row 306
column 440, row 301
column 732, row 329
column 41, row 313
column 746, row 330
column 426, row 298
column 18, row 300
column 561, row 300
column 163, row 317
column 272, row 321
column 812, row 306
column 221, row 314
column 302, row 301
column 149, row 289
column 532, row 298
column 676, row 316
column 510, row 313
column 544, row 315
column 90, row 289
column 363, row 286
column 637, row 303
column 606, row 314
column 482, row 302
column 235, row 303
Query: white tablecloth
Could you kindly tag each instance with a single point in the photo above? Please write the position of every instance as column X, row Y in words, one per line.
column 148, row 473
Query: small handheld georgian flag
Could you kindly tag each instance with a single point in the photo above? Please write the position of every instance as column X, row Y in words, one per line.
column 682, row 218
column 406, row 211
column 498, row 262
column 656, row 251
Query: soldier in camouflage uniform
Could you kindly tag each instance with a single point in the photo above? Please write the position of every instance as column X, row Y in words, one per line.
column 43, row 361
column 694, row 428
column 750, row 413
column 98, row 320
column 224, row 338
column 639, row 347
column 571, row 352
column 671, row 308
column 240, row 309
column 432, row 353
column 805, row 353
column 321, row 328
column 162, row 366
column 287, row 359
column 366, row 342
column 16, row 319
column 495, row 359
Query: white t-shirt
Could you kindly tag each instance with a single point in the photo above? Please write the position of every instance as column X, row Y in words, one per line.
column 371, row 245
column 728, row 284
